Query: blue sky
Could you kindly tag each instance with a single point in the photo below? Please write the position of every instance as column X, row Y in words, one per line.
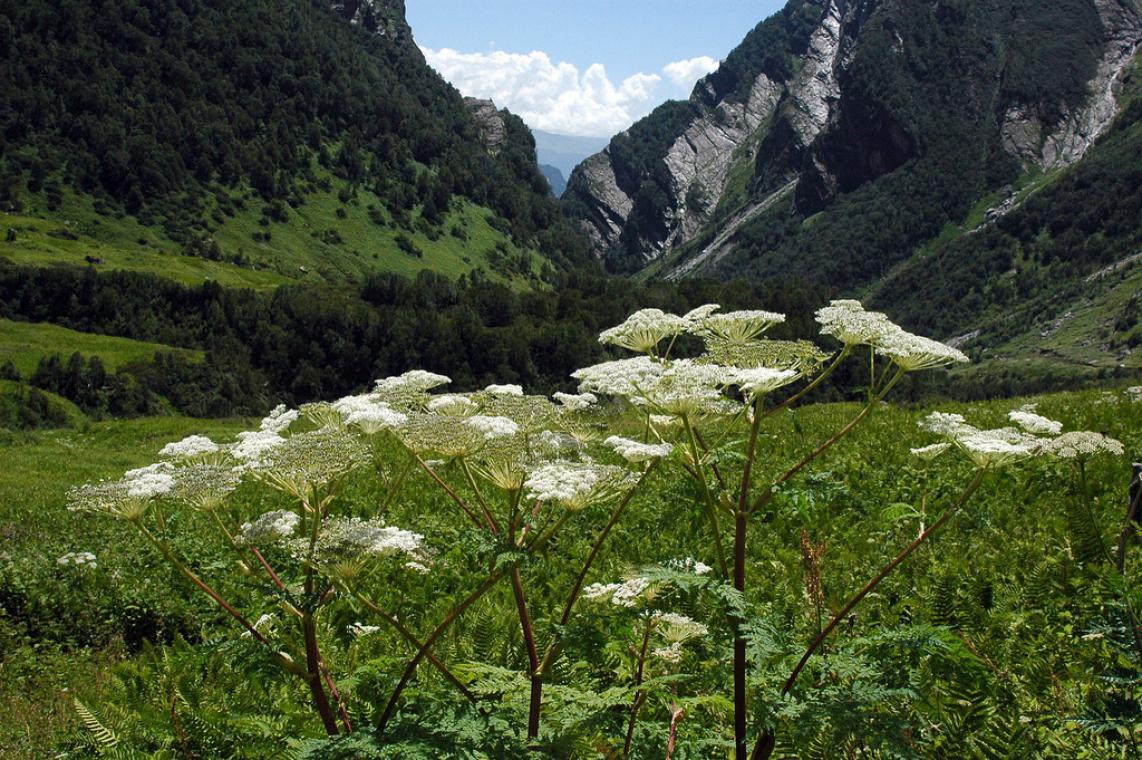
column 590, row 67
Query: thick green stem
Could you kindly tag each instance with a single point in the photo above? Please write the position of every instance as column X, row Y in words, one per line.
column 439, row 631
column 764, row 747
column 448, row 490
column 408, row 636
column 489, row 520
column 741, row 525
column 553, row 648
column 394, row 486
column 313, row 670
column 525, row 624
column 711, row 504
column 202, row 585
column 639, row 697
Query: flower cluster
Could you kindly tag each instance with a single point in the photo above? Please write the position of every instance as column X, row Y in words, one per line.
column 576, row 485
column 78, row 559
column 633, row 451
column 191, row 446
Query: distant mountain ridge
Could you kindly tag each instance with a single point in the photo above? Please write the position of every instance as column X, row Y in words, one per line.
column 855, row 143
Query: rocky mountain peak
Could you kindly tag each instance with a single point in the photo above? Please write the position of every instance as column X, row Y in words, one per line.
column 493, row 129
column 383, row 17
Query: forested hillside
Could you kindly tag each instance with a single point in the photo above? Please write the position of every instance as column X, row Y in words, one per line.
column 216, row 124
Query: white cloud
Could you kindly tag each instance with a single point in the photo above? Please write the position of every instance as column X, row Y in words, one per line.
column 550, row 96
column 686, row 73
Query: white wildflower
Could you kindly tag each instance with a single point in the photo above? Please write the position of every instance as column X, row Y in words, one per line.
column 576, row 402
column 671, row 653
column 679, row 628
column 624, row 377
column 738, row 326
column 759, row 381
column 695, row 316
column 1134, row 393
column 504, row 390
column 268, row 528
column 253, row 444
column 279, row 419
column 945, row 423
column 359, row 629
column 688, row 565
column 150, row 481
column 368, row 413
column 191, row 446
column 644, row 330
column 687, row 388
column 634, row 451
column 929, row 453
column 417, row 380
column 848, row 322
column 418, row 567
column 492, row 427
column 914, row 352
column 1034, row 423
column 1082, row 445
column 453, row 405
column 79, row 559
column 628, row 592
column 552, row 445
column 992, row 449
column 576, row 485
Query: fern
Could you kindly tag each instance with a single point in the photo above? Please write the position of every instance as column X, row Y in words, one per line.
column 105, row 739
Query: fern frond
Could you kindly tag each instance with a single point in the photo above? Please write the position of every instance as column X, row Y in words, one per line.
column 104, row 737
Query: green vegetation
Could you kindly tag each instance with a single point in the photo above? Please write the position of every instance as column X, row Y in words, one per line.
column 1008, row 600
column 25, row 344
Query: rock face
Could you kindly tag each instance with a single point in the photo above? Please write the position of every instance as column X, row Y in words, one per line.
column 383, row 17
column 1049, row 147
column 796, row 103
column 493, row 130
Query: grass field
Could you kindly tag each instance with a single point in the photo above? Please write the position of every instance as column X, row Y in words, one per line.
column 54, row 650
column 23, row 343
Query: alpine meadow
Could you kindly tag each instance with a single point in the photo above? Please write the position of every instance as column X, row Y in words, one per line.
column 799, row 422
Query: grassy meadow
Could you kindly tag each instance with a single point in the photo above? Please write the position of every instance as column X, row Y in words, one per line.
column 1000, row 638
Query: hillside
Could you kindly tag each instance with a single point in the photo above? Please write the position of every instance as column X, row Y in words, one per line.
column 267, row 143
column 852, row 142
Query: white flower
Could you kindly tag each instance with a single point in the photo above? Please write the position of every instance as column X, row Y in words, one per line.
column 150, row 481
column 1034, row 423
column 848, row 322
column 551, row 445
column 762, row 380
column 576, row 402
column 738, row 326
column 628, row 592
column 687, row 388
column 279, row 419
column 504, row 390
column 264, row 624
column 191, row 446
column 493, row 427
column 644, row 330
column 1082, row 445
column 575, row 485
column 928, row 453
column 1134, row 393
column 915, row 352
column 79, row 559
column 619, row 378
column 453, row 405
column 945, row 423
column 359, row 629
column 419, row 567
column 414, row 380
column 353, row 537
column 680, row 627
column 268, row 528
column 633, row 451
column 695, row 316
column 671, row 653
column 688, row 565
column 991, row 449
column 253, row 444
column 368, row 413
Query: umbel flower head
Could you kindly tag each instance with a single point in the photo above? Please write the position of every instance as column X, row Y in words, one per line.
column 530, row 414
column 310, row 460
column 576, row 402
column 268, row 528
column 368, row 413
column 634, row 452
column 848, row 322
column 204, row 485
column 644, row 330
column 446, row 436
column 191, row 446
column 1081, row 445
column 914, row 352
column 737, row 326
column 799, row 355
column 624, row 378
column 987, row 449
column 687, row 388
column 410, row 390
column 576, row 485
column 1026, row 418
column 759, row 381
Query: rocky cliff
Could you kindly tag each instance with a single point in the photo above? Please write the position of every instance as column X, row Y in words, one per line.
column 830, row 96
column 384, row 17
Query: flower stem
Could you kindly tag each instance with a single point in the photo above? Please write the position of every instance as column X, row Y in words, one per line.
column 811, row 386
column 412, row 639
column 711, row 505
column 528, row 629
column 439, row 631
column 394, row 486
column 639, row 697
column 448, row 490
column 765, row 743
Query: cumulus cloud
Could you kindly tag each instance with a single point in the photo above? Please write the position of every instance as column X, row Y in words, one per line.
column 686, row 73
column 551, row 96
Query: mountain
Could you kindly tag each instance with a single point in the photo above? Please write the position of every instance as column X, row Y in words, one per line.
column 259, row 142
column 554, row 178
column 857, row 142
column 565, row 152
